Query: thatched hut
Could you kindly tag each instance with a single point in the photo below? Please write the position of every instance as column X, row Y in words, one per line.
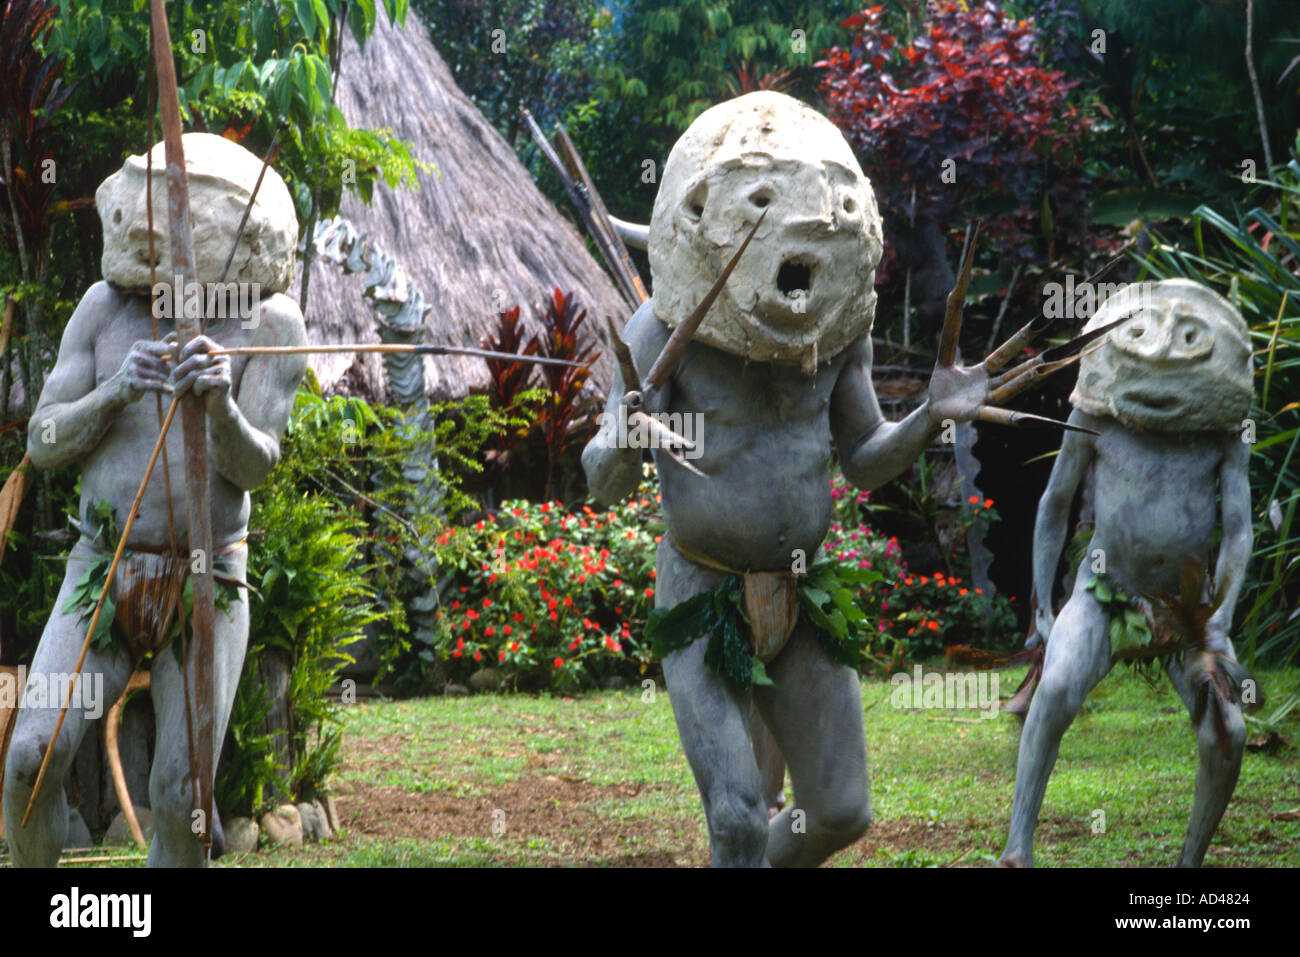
column 476, row 236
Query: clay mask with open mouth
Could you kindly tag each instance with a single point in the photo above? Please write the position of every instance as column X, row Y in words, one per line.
column 803, row 290
column 1180, row 363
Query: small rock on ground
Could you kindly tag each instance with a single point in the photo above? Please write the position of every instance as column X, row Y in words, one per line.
column 241, row 835
column 283, row 826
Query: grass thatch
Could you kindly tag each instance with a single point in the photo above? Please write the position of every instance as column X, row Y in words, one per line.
column 475, row 228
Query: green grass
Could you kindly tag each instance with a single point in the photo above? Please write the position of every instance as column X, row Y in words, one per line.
column 600, row 780
column 941, row 782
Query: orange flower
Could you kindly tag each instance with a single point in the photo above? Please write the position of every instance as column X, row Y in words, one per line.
column 974, row 500
column 988, row 503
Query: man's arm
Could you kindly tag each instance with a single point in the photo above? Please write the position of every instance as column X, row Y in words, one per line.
column 1072, row 463
column 872, row 449
column 245, row 431
column 613, row 469
column 1238, row 538
column 73, row 413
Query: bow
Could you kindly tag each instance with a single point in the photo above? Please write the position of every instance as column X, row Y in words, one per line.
column 193, row 425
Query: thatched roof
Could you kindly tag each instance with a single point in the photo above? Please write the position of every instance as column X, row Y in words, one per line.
column 475, row 228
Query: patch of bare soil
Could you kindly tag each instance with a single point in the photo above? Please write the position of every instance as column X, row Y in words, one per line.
column 555, row 811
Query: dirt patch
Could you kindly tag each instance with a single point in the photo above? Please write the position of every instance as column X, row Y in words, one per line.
column 551, row 811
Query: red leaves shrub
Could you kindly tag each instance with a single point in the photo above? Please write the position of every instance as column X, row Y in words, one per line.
column 970, row 89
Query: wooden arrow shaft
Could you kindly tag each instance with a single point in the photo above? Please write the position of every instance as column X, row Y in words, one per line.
column 430, row 350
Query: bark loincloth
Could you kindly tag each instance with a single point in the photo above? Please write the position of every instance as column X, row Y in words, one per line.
column 149, row 592
column 770, row 602
column 750, row 616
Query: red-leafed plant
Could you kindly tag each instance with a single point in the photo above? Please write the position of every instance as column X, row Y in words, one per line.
column 31, row 93
column 969, row 96
column 508, row 380
column 566, row 415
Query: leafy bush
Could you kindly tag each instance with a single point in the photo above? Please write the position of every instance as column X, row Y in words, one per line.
column 969, row 91
column 917, row 615
column 558, row 598
column 313, row 597
column 334, row 542
column 555, row 598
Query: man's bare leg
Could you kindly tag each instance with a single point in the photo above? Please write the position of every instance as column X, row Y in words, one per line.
column 176, row 842
column 39, row 844
column 771, row 762
column 815, row 712
column 1216, row 776
column 1078, row 657
column 713, row 724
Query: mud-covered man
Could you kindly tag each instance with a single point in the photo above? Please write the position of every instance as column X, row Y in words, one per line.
column 780, row 371
column 98, row 409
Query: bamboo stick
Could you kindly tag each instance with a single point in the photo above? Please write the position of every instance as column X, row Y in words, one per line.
column 139, row 681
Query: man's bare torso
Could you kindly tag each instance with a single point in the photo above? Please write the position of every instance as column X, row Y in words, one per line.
column 113, row 470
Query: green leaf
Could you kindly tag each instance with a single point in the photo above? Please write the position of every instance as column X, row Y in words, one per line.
column 306, row 13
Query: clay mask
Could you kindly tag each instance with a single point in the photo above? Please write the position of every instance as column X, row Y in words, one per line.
column 1181, row 363
column 221, row 178
column 803, row 290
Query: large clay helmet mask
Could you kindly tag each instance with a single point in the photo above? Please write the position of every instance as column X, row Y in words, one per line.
column 1180, row 363
column 221, row 177
column 802, row 292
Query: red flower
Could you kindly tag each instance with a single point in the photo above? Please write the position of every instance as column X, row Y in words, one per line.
column 487, row 602
column 514, row 646
column 489, row 631
column 457, row 653
column 649, row 592
column 559, row 662
column 478, row 656
column 501, row 656
column 506, row 629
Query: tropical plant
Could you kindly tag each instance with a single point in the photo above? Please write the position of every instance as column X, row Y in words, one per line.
column 554, row 598
column 963, row 122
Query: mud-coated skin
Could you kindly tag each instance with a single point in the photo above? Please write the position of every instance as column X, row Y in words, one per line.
column 1155, row 505
column 98, row 408
column 765, row 444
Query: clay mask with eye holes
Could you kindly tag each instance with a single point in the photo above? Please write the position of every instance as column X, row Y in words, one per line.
column 1181, row 363
column 803, row 290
